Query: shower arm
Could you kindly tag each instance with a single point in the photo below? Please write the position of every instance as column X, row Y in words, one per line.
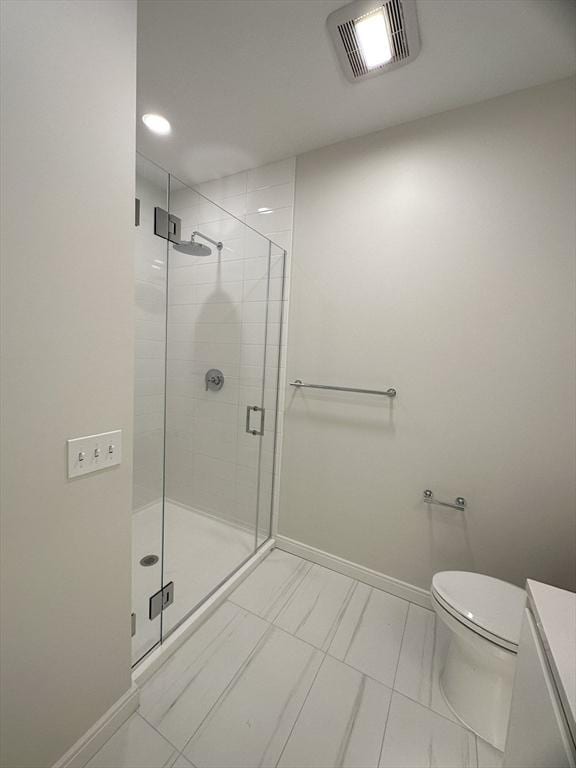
column 217, row 243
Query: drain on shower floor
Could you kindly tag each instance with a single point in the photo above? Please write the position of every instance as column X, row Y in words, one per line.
column 149, row 560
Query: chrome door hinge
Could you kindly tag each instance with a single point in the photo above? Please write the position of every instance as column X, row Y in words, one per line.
column 161, row 600
column 167, row 225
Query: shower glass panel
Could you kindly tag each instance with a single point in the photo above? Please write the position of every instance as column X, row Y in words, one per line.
column 221, row 382
column 152, row 185
column 267, row 487
column 208, row 312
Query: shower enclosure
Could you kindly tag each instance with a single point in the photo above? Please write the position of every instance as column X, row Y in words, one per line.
column 208, row 311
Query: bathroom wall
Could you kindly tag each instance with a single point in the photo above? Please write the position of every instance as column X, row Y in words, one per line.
column 68, row 116
column 216, row 319
column 438, row 257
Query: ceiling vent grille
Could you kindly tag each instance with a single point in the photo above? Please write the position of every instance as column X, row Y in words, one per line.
column 401, row 27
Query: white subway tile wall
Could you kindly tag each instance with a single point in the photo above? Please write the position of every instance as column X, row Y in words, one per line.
column 224, row 312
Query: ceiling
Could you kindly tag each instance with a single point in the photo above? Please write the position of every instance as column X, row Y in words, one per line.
column 247, row 82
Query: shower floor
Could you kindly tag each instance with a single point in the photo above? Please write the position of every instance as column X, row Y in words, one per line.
column 200, row 553
column 301, row 667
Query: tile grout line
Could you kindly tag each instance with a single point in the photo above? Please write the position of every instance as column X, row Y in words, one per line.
column 183, row 756
column 326, row 653
column 385, row 729
column 333, row 631
column 358, row 622
column 303, row 704
column 239, row 672
column 297, row 579
column 393, row 686
column 400, row 648
column 174, row 747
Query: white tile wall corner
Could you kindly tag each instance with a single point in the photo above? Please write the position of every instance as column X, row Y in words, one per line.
column 217, row 318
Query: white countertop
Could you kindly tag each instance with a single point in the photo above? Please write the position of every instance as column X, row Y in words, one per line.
column 555, row 613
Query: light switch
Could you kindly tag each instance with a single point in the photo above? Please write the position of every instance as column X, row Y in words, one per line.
column 94, row 452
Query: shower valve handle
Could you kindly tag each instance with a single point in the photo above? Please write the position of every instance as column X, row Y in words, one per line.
column 214, row 380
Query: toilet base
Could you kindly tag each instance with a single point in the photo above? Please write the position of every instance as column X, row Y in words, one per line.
column 476, row 682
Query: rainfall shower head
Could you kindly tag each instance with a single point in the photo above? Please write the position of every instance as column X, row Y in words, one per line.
column 192, row 248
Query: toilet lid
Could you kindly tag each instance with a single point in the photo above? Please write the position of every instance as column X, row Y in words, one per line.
column 492, row 605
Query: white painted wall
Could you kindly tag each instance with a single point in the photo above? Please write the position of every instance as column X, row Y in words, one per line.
column 438, row 257
column 68, row 114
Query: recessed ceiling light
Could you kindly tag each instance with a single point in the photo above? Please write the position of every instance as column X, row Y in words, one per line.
column 157, row 124
column 372, row 35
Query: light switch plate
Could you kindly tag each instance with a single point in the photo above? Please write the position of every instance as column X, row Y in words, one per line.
column 94, row 452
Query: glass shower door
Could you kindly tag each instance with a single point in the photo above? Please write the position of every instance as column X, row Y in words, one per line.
column 149, row 397
column 216, row 416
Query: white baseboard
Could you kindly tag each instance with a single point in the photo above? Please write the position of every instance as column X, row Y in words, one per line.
column 96, row 736
column 154, row 660
column 359, row 572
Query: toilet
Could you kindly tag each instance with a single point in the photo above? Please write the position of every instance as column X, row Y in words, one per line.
column 484, row 616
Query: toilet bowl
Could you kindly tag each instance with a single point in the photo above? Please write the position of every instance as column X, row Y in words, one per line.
column 484, row 616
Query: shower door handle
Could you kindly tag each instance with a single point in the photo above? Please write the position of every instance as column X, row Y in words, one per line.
column 249, row 410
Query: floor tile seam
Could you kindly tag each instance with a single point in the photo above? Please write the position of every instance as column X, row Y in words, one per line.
column 458, row 723
column 327, row 642
column 327, row 653
column 334, row 628
column 272, row 623
column 171, row 663
column 233, row 680
column 385, row 729
column 275, row 626
column 400, row 649
column 292, row 590
column 252, row 613
column 390, row 688
column 154, row 728
column 358, row 622
column 302, row 707
column 360, row 671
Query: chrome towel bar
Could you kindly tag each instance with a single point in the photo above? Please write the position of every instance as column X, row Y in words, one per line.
column 459, row 501
column 388, row 392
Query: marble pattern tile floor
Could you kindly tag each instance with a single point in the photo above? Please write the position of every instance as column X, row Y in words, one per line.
column 301, row 668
